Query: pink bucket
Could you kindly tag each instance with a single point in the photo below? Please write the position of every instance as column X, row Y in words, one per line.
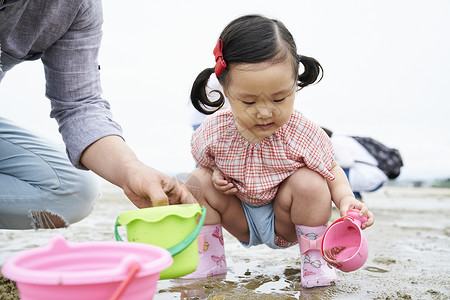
column 344, row 245
column 88, row 271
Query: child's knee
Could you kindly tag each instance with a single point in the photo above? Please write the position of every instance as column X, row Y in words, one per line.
column 307, row 182
column 199, row 180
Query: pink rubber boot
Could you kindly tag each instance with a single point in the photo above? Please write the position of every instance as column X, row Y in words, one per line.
column 315, row 271
column 211, row 254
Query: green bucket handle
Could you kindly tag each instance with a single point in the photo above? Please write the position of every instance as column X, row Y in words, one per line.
column 174, row 250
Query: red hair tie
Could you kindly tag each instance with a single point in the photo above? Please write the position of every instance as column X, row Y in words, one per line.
column 220, row 63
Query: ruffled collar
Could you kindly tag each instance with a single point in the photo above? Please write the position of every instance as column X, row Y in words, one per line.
column 232, row 128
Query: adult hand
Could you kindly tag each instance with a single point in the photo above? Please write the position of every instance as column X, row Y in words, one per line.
column 145, row 187
column 348, row 203
column 113, row 160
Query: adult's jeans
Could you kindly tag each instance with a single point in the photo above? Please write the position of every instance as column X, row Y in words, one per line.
column 38, row 183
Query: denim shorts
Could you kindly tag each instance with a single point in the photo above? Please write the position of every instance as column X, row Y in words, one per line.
column 261, row 223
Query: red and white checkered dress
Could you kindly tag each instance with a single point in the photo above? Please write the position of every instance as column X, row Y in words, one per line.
column 257, row 169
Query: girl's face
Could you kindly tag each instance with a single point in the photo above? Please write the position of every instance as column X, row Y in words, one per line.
column 261, row 97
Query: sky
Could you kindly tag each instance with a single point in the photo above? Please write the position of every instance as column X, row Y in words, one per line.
column 386, row 74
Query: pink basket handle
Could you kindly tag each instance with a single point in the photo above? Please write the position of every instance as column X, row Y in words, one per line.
column 354, row 214
column 132, row 271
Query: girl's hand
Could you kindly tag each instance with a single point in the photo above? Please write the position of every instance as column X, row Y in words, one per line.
column 222, row 183
column 348, row 203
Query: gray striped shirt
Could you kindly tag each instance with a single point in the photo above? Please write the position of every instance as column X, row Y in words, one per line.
column 66, row 36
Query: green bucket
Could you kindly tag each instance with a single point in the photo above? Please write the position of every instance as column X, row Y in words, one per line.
column 172, row 227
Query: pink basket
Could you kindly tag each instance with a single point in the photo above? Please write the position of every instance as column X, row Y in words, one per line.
column 344, row 245
column 88, row 271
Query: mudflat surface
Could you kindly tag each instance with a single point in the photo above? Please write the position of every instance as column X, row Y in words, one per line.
column 409, row 254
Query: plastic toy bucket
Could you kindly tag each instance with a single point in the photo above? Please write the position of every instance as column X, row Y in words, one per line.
column 344, row 245
column 88, row 271
column 172, row 227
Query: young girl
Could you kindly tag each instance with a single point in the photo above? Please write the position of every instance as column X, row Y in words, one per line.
column 267, row 173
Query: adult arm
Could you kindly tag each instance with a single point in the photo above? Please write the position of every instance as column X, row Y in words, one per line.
column 112, row 159
column 93, row 139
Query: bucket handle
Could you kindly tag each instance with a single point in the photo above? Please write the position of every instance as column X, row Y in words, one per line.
column 174, row 250
column 131, row 273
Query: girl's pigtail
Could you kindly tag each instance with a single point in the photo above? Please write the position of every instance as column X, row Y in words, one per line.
column 199, row 97
column 313, row 71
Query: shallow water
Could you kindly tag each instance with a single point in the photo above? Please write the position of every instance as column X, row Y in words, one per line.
column 409, row 254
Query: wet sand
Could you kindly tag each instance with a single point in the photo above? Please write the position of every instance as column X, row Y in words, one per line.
column 409, row 254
